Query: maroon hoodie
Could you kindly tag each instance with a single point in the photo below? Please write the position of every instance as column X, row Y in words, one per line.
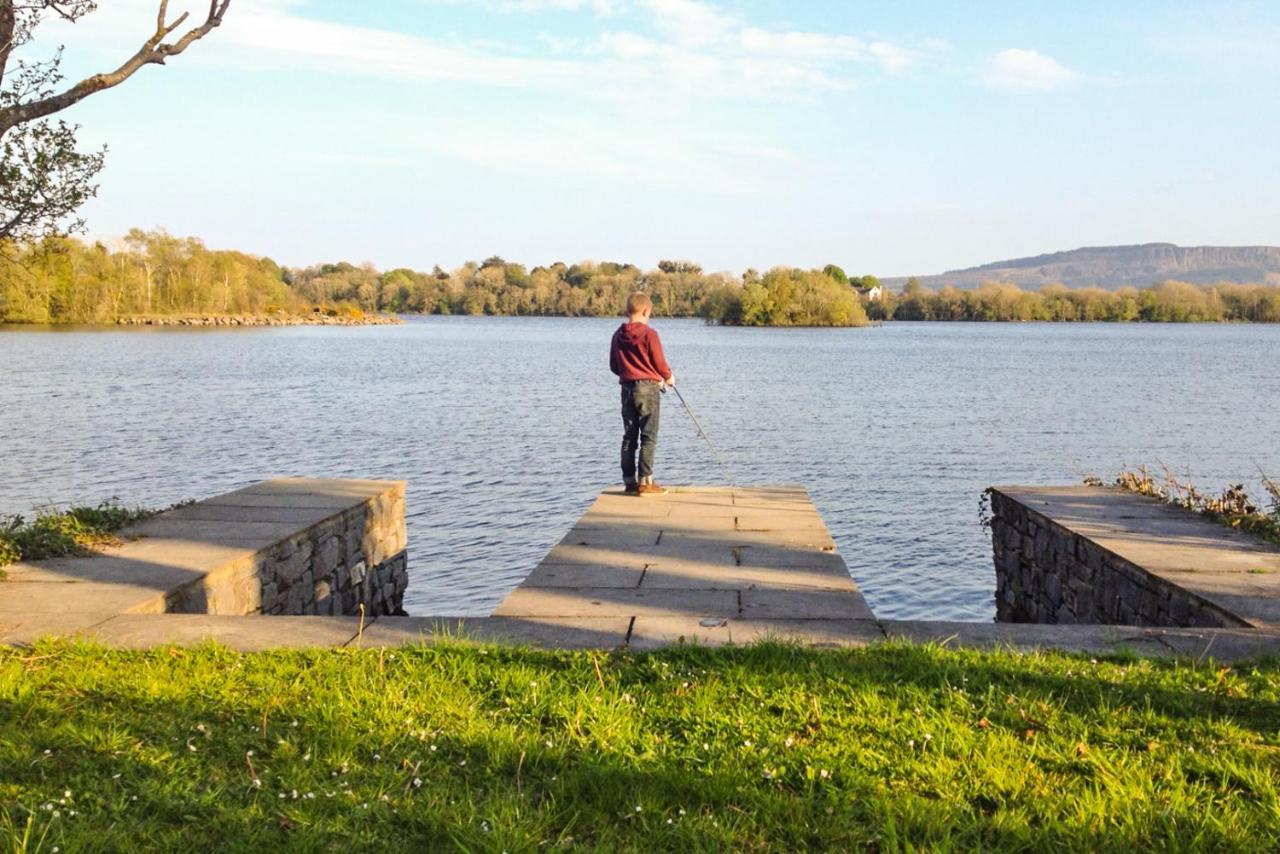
column 636, row 354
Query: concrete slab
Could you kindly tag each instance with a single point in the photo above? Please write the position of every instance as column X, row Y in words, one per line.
column 69, row 597
column 1221, row 644
column 252, row 534
column 579, row 555
column 1236, row 572
column 26, row 629
column 246, row 634
column 300, row 517
column 615, row 602
column 804, row 604
column 583, row 575
column 1093, row 639
column 655, row 632
column 543, row 632
column 784, row 558
column 612, row 536
column 198, row 557
column 359, row 488
column 699, row 577
column 105, row 567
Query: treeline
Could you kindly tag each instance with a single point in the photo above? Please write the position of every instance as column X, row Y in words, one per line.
column 1167, row 302
column 65, row 280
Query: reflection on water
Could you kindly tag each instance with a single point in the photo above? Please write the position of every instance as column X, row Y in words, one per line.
column 506, row 428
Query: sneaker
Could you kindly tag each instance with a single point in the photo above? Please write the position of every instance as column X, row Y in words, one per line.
column 632, row 489
column 651, row 488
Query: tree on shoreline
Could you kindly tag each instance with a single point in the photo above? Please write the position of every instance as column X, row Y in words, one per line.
column 44, row 178
column 66, row 280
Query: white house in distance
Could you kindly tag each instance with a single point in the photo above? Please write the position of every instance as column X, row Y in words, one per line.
column 871, row 294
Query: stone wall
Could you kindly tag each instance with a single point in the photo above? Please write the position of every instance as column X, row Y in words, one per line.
column 1047, row 573
column 352, row 556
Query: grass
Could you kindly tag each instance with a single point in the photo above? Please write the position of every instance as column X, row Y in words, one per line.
column 56, row 533
column 767, row 747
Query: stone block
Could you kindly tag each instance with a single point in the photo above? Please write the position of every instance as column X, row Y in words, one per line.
column 327, row 555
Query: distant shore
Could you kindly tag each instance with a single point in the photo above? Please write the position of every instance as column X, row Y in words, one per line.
column 314, row 319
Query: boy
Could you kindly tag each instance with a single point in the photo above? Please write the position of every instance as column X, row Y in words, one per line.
column 635, row 355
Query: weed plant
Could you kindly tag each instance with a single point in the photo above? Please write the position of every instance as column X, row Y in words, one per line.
column 57, row 533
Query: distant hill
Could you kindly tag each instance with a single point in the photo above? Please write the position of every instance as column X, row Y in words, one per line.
column 1117, row 266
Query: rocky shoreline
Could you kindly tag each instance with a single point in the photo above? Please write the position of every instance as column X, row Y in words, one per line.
column 260, row 320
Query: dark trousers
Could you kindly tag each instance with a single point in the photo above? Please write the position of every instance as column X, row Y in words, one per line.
column 641, row 402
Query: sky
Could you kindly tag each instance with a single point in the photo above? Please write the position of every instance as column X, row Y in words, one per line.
column 888, row 136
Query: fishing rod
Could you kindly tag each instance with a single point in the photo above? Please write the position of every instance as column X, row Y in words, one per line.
column 702, row 433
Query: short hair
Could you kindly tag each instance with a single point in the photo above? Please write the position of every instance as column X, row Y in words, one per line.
column 638, row 302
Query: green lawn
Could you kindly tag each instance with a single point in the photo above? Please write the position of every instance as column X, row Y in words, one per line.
column 765, row 747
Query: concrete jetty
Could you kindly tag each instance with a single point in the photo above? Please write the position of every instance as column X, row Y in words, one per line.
column 309, row 563
column 704, row 564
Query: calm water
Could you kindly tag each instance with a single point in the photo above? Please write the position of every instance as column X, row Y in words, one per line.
column 506, row 428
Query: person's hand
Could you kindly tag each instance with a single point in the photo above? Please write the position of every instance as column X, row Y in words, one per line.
column 671, row 381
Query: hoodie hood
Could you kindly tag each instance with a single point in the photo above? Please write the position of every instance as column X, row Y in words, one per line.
column 634, row 332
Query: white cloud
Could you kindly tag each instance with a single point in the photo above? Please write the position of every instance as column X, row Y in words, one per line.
column 646, row 155
column 1017, row 70
column 690, row 22
column 603, row 8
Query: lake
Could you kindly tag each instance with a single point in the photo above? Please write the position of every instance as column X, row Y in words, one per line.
column 507, row 428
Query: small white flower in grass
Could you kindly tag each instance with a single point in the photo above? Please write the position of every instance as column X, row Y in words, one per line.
column 66, row 793
column 306, row 757
column 417, row 782
column 280, row 796
column 547, row 742
column 248, row 753
column 681, row 810
column 824, row 773
column 294, row 793
column 115, row 776
column 669, row 821
column 463, row 762
column 638, row 809
column 57, row 813
column 484, row 825
column 133, row 797
column 928, row 736
column 293, row 723
column 48, row 752
column 257, row 784
column 377, row 757
column 433, row 748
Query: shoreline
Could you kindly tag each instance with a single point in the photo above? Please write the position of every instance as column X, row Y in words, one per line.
column 315, row 319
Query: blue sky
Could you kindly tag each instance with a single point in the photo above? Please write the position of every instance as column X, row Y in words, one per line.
column 888, row 137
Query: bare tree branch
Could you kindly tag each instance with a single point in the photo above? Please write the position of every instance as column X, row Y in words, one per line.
column 8, row 21
column 154, row 51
